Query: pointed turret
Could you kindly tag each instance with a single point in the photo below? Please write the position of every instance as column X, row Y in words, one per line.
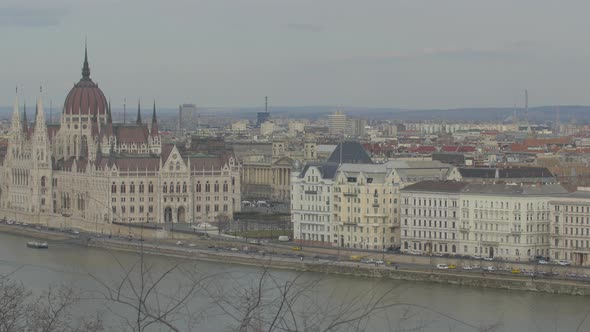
column 109, row 115
column 25, row 120
column 16, row 124
column 39, row 114
column 154, row 129
column 85, row 67
column 138, row 121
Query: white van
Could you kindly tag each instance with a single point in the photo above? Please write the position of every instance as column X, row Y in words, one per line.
column 284, row 238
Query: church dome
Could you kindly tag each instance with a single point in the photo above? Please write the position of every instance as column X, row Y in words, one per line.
column 85, row 97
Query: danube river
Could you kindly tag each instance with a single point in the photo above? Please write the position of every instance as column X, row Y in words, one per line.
column 421, row 306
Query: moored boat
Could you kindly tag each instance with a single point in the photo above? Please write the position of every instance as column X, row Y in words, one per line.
column 37, row 245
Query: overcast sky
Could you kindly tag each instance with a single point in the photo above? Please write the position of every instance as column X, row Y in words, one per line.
column 381, row 53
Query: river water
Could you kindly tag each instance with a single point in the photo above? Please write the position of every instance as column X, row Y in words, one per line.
column 416, row 306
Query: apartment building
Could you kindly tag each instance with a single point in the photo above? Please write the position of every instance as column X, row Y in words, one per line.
column 311, row 203
column 490, row 220
column 365, row 200
column 570, row 227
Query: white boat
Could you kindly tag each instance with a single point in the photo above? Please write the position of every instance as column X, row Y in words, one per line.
column 37, row 245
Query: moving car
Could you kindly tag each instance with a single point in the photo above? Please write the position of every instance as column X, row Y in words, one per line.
column 467, row 267
column 452, row 266
column 564, row 262
column 179, row 243
column 442, row 266
column 515, row 271
column 489, row 268
column 542, row 262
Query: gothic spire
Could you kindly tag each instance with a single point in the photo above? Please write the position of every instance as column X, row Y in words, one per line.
column 138, row 121
column 39, row 116
column 109, row 116
column 85, row 68
column 16, row 125
column 25, row 121
column 154, row 129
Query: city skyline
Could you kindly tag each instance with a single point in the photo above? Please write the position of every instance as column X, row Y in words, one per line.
column 380, row 54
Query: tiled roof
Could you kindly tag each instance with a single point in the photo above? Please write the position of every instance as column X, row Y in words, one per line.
column 487, row 189
column 327, row 170
column 436, row 186
column 128, row 134
column 350, row 152
column 506, row 173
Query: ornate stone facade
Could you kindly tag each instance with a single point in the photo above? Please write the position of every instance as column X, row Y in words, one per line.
column 93, row 171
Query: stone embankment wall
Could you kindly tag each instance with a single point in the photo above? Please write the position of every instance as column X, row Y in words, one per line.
column 486, row 280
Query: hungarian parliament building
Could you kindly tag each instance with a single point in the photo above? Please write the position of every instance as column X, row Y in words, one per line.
column 89, row 171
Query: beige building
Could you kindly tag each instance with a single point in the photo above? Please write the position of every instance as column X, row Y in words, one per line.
column 570, row 228
column 337, row 123
column 364, row 198
column 88, row 171
column 365, row 206
column 267, row 176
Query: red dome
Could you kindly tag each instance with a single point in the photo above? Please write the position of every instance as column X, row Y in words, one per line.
column 85, row 97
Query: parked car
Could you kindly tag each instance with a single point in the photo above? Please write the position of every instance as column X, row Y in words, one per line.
column 515, row 271
column 367, row 261
column 542, row 262
column 442, row 266
column 564, row 262
column 467, row 268
column 489, row 268
column 179, row 243
column 452, row 266
column 379, row 262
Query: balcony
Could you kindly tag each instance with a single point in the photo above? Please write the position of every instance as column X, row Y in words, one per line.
column 515, row 231
column 311, row 192
column 375, row 204
column 490, row 243
column 464, row 228
column 351, row 194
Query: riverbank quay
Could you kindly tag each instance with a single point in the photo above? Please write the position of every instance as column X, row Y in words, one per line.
column 482, row 279
column 277, row 260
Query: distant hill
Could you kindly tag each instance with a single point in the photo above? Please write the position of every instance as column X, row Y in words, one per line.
column 541, row 114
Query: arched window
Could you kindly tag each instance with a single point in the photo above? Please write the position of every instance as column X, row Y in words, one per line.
column 225, row 187
column 132, row 187
column 141, row 187
column 150, row 187
column 177, row 187
column 171, row 187
column 114, row 188
column 233, row 181
column 207, row 187
column 42, row 181
column 123, row 188
column 164, row 188
column 184, row 187
column 198, row 186
column 216, row 187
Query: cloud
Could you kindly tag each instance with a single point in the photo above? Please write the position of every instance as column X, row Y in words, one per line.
column 20, row 16
column 304, row 27
column 446, row 53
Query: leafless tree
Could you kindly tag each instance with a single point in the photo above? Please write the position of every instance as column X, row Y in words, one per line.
column 48, row 312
